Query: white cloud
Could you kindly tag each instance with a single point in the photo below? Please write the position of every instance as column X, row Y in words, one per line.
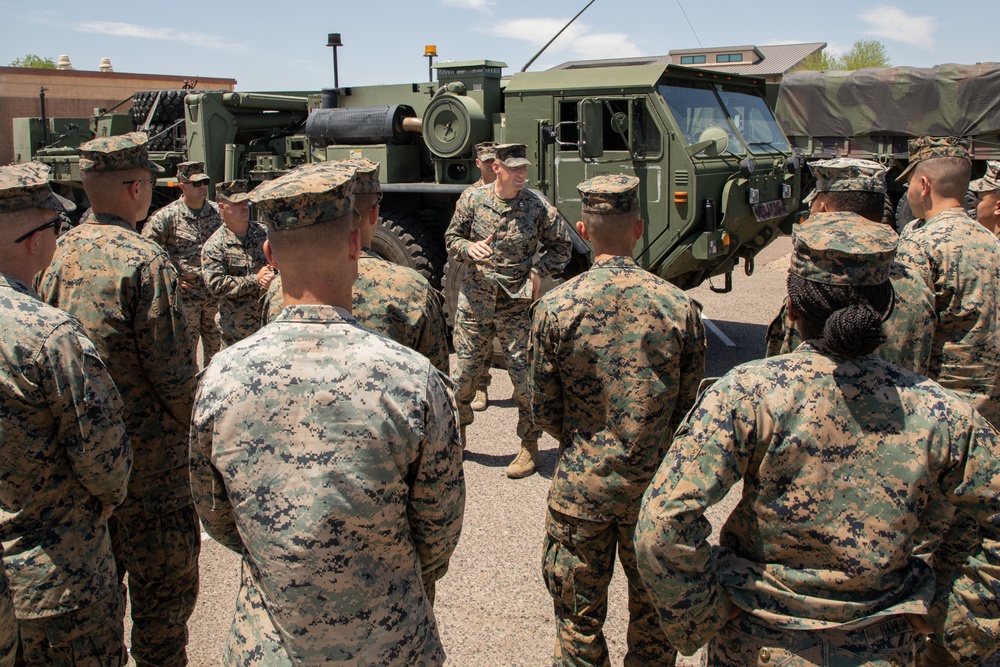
column 477, row 5
column 198, row 39
column 578, row 40
column 889, row 22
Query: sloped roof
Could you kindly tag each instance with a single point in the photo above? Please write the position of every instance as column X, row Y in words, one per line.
column 613, row 62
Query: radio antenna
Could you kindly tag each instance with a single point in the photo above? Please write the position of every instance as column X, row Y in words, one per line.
column 554, row 38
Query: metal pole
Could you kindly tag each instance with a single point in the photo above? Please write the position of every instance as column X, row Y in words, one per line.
column 45, row 122
column 336, row 78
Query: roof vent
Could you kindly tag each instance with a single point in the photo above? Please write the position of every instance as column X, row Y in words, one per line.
column 105, row 65
column 64, row 63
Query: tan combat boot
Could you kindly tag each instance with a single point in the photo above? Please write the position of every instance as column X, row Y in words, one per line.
column 525, row 461
column 481, row 401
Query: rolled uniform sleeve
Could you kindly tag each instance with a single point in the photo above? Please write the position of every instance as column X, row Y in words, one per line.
column 675, row 562
column 166, row 345
column 555, row 244
column 692, row 364
column 207, row 485
column 88, row 413
column 432, row 338
column 437, row 483
column 457, row 238
column 967, row 621
column 544, row 381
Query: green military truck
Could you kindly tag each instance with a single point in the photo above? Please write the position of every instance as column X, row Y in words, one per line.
column 871, row 113
column 718, row 177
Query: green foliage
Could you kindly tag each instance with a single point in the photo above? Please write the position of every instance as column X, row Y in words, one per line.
column 821, row 60
column 864, row 53
column 31, row 60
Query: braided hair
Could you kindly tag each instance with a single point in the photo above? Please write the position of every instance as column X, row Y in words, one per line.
column 849, row 317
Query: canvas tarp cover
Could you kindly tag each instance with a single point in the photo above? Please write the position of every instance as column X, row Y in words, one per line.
column 947, row 100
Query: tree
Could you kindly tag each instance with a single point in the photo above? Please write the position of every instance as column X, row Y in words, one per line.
column 31, row 60
column 864, row 53
column 821, row 60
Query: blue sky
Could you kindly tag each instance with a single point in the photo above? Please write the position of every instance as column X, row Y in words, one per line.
column 282, row 45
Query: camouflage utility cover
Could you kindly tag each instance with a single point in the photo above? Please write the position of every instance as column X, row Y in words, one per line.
column 947, row 100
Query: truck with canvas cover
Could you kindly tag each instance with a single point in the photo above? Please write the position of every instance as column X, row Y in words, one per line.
column 871, row 113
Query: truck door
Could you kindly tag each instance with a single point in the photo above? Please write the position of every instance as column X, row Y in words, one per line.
column 608, row 135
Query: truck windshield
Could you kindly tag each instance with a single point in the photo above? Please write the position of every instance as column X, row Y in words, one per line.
column 746, row 119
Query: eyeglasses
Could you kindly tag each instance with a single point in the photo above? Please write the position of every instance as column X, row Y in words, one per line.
column 50, row 223
column 151, row 179
column 378, row 201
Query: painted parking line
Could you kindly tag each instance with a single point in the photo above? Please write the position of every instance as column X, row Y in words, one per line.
column 718, row 332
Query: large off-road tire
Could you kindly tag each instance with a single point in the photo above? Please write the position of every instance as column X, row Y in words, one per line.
column 400, row 238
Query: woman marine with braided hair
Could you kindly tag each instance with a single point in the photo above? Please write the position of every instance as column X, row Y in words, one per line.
column 848, row 463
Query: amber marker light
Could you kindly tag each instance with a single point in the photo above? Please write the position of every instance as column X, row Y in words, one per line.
column 680, row 197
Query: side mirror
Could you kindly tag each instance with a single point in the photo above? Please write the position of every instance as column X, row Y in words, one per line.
column 713, row 140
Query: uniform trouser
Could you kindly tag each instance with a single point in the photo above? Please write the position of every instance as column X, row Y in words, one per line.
column 484, row 376
column 199, row 309
column 748, row 641
column 90, row 637
column 160, row 553
column 510, row 321
column 8, row 624
column 577, row 565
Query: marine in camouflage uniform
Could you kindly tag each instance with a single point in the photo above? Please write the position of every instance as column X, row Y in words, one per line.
column 387, row 298
column 64, row 456
column 329, row 457
column 987, row 193
column 843, row 457
column 233, row 264
column 182, row 231
column 498, row 237
column 123, row 289
column 485, row 155
column 960, row 261
column 617, row 355
column 909, row 328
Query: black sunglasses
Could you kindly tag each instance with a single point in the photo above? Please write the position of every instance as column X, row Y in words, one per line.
column 151, row 179
column 50, row 223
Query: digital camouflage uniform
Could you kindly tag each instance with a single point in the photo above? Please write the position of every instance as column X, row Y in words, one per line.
column 123, row 289
column 392, row 300
column 844, row 462
column 616, row 358
column 485, row 153
column 182, row 233
column 496, row 294
column 909, row 328
column 8, row 622
column 64, row 455
column 229, row 266
column 959, row 260
column 329, row 457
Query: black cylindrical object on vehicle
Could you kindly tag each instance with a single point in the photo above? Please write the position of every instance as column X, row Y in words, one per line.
column 328, row 98
column 360, row 125
column 711, row 221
